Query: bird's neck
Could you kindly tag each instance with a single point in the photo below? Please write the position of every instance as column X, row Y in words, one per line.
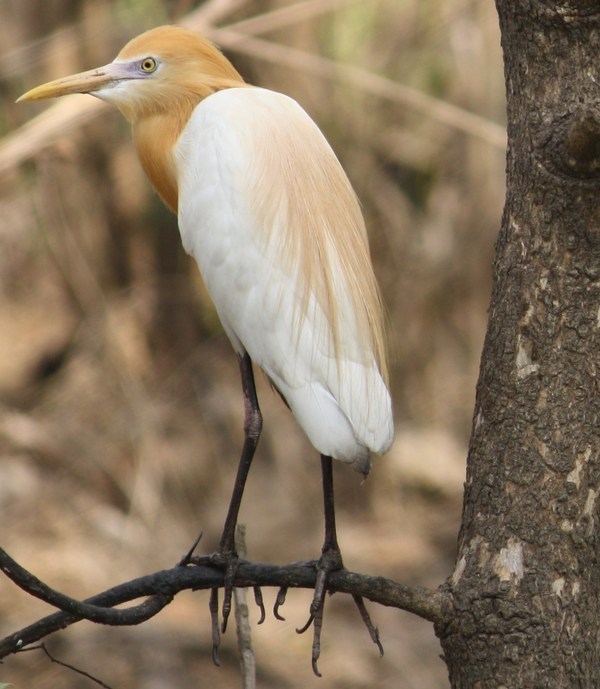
column 156, row 131
column 154, row 137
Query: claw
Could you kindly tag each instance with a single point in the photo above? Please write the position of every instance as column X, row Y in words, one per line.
column 213, row 606
column 306, row 625
column 316, row 644
column 366, row 618
column 279, row 601
column 228, row 579
column 258, row 599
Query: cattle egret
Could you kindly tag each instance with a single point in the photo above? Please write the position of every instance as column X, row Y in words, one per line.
column 267, row 212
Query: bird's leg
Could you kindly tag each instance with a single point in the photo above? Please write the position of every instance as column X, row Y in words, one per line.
column 331, row 557
column 227, row 554
column 252, row 429
column 330, row 561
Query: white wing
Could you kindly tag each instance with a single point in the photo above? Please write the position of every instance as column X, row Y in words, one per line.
column 243, row 205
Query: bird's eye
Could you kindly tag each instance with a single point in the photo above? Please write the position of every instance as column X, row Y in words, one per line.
column 148, row 65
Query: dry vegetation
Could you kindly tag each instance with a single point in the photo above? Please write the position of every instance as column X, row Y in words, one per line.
column 121, row 409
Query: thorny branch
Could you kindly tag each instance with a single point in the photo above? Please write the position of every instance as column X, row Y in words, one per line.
column 160, row 587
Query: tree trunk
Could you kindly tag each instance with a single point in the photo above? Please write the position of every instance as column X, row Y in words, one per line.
column 526, row 584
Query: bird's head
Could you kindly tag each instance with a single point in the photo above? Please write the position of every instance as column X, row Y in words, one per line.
column 157, row 71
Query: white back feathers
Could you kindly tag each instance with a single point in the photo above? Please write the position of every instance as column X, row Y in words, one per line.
column 269, row 215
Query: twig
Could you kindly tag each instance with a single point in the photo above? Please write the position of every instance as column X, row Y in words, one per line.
column 83, row 673
column 242, row 621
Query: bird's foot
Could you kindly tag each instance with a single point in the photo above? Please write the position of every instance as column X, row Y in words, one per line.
column 227, row 561
column 331, row 561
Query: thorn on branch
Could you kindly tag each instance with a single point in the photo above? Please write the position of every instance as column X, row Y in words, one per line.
column 187, row 558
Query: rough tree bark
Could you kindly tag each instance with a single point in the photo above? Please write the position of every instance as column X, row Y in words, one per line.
column 526, row 585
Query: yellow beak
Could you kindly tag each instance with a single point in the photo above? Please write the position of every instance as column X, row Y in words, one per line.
column 84, row 82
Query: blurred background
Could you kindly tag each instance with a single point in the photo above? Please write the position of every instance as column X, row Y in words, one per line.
column 121, row 410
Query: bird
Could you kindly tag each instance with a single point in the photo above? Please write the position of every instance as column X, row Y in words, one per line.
column 269, row 215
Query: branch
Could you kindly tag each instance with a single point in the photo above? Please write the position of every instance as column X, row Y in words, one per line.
column 162, row 586
column 84, row 610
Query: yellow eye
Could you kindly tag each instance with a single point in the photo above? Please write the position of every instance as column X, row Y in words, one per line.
column 148, row 65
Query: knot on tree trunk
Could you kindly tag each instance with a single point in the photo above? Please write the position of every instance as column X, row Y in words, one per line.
column 572, row 146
